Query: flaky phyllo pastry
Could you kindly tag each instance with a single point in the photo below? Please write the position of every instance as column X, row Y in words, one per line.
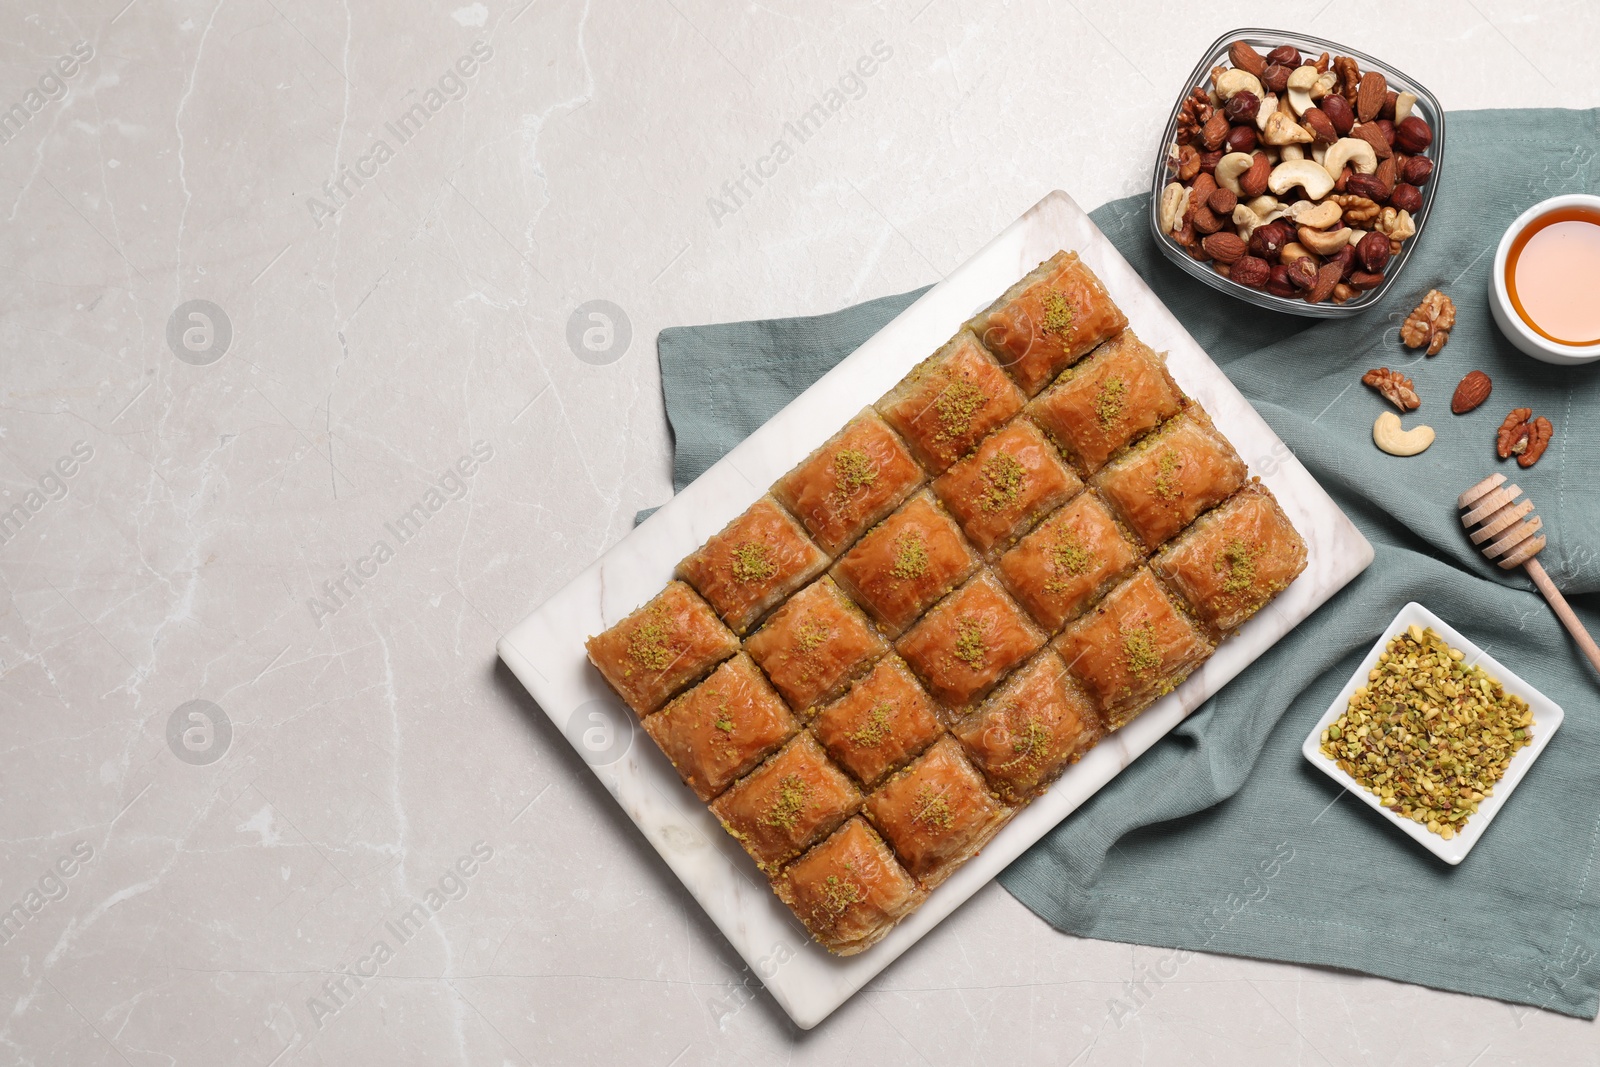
column 1018, row 549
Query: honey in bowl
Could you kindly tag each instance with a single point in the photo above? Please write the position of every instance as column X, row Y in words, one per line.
column 1553, row 276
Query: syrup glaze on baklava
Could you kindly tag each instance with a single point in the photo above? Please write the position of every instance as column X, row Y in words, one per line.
column 987, row 617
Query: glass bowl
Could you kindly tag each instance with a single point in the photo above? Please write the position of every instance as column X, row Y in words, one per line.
column 1427, row 108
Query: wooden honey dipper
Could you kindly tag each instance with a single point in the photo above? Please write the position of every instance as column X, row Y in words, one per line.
column 1506, row 536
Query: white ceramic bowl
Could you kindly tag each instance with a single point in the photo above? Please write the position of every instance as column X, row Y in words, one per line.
column 1547, row 717
column 1511, row 324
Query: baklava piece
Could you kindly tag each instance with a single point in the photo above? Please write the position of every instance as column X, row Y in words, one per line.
column 1031, row 729
column 1014, row 478
column 906, row 563
column 951, row 401
column 1170, row 477
column 753, row 564
column 1118, row 394
column 656, row 651
column 787, row 804
column 969, row 641
column 1132, row 649
column 814, row 644
column 885, row 720
column 722, row 727
column 849, row 890
column 856, row 478
column 1068, row 562
column 1048, row 321
column 1235, row 559
column 937, row 813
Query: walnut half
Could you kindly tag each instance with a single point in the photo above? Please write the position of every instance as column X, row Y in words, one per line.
column 1429, row 325
column 1395, row 387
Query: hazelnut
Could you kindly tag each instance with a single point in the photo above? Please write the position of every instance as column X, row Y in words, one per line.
column 1209, row 161
column 1406, row 197
column 1339, row 112
column 1222, row 201
column 1413, row 135
column 1285, row 55
column 1278, row 284
column 1373, row 251
column 1418, row 170
column 1386, row 127
column 1302, row 273
column 1242, row 106
column 1275, row 79
column 1241, row 139
column 1251, row 271
column 1342, row 293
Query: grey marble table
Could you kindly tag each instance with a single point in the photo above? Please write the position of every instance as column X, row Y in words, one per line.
column 306, row 398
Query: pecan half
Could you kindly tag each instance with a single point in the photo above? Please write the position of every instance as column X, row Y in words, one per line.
column 1540, row 432
column 1512, row 437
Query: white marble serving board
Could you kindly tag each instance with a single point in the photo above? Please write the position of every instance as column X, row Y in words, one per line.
column 546, row 649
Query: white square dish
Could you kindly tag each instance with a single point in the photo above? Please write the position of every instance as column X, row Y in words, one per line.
column 1547, row 718
column 546, row 649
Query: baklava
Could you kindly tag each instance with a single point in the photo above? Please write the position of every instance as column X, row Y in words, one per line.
column 814, row 644
column 951, row 401
column 1162, row 483
column 885, row 720
column 969, row 641
column 1010, row 481
column 660, row 648
column 1030, row 729
column 787, row 804
column 1119, row 393
column 722, row 727
column 937, row 813
column 854, row 479
column 1048, row 321
column 1234, row 559
column 906, row 563
column 1132, row 649
column 1068, row 562
column 756, row 562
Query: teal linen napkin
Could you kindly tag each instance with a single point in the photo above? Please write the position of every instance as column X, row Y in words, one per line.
column 1221, row 837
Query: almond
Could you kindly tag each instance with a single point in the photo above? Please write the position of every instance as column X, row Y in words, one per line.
column 1243, row 56
column 1473, row 390
column 1327, row 278
column 1320, row 125
column 1370, row 133
column 1225, row 247
column 1370, row 95
column 1253, row 182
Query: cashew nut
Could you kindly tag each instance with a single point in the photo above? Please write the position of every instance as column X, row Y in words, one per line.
column 1292, row 251
column 1319, row 153
column 1302, row 172
column 1293, row 151
column 1318, row 216
column 1234, row 81
column 1325, row 84
column 1389, row 435
column 1301, row 81
column 1353, row 151
column 1324, row 242
column 1268, row 108
column 1174, row 200
column 1265, row 205
column 1247, row 222
column 1229, row 167
column 1403, row 103
column 1281, row 130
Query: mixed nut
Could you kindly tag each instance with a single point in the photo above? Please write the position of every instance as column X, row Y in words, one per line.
column 1294, row 175
column 1429, row 735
